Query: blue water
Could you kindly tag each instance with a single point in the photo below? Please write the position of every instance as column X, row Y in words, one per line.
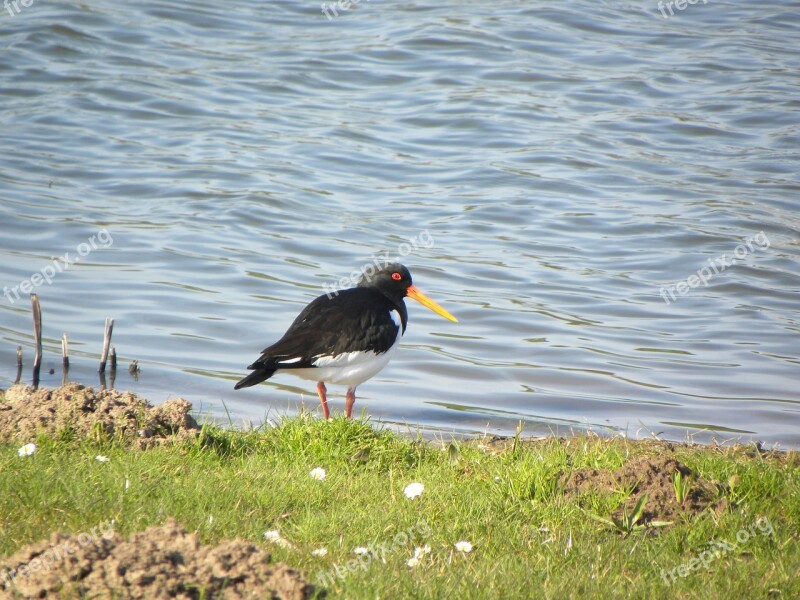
column 548, row 172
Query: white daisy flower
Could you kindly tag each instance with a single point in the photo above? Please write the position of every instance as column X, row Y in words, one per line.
column 318, row 474
column 27, row 450
column 412, row 562
column 360, row 551
column 464, row 547
column 413, row 490
column 275, row 537
column 421, row 551
column 102, row 458
column 319, row 552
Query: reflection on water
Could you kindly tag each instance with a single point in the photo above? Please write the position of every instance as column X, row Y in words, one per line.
column 566, row 162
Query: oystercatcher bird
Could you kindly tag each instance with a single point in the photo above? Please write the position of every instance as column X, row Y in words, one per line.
column 345, row 337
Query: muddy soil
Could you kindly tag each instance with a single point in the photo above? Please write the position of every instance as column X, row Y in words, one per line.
column 159, row 562
column 87, row 413
column 651, row 475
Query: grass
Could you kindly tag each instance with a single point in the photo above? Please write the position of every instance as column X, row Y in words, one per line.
column 682, row 486
column 530, row 538
column 629, row 523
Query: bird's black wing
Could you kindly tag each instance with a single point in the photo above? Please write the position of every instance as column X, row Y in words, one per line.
column 351, row 320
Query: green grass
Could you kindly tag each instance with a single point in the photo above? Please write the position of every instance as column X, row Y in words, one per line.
column 530, row 539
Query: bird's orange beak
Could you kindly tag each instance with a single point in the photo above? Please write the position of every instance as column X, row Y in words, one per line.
column 428, row 303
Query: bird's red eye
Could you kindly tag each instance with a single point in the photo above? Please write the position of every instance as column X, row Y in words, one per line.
column 397, row 276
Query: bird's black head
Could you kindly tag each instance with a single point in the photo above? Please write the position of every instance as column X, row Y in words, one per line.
column 393, row 280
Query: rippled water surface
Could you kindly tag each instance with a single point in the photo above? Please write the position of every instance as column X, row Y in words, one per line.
column 547, row 170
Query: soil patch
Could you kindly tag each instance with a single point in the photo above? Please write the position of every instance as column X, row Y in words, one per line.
column 159, row 562
column 651, row 475
column 85, row 412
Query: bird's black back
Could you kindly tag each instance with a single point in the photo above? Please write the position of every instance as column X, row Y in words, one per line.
column 357, row 319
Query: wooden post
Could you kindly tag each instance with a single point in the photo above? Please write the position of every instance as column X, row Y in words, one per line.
column 19, row 365
column 113, row 375
column 106, row 344
column 65, row 351
column 37, row 337
column 65, row 359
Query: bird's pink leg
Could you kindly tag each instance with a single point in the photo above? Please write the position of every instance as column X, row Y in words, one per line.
column 321, row 390
column 351, row 398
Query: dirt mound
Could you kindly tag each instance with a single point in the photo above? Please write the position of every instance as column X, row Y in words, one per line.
column 159, row 562
column 26, row 412
column 651, row 475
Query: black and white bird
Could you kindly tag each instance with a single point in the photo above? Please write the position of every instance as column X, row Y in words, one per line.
column 345, row 337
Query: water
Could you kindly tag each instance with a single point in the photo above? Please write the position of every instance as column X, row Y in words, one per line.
column 557, row 165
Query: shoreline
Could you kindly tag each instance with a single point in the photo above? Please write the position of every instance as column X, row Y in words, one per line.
column 304, row 496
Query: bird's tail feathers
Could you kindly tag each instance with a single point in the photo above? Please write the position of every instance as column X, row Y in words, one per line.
column 257, row 376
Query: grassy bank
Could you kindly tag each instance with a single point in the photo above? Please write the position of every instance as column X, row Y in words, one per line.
column 535, row 529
